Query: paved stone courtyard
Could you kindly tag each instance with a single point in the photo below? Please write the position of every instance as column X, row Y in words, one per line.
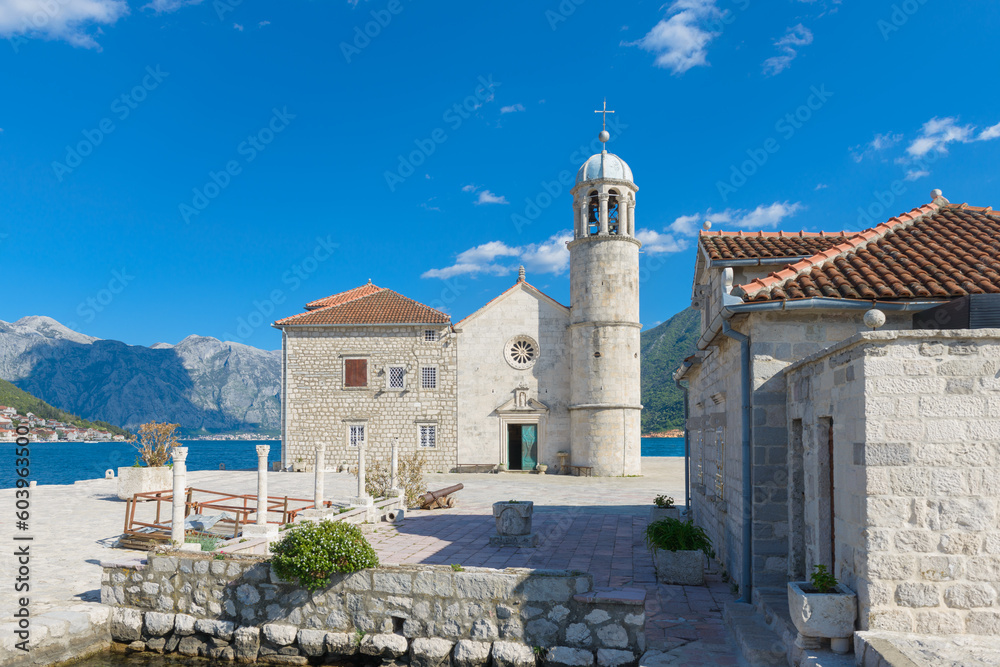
column 591, row 524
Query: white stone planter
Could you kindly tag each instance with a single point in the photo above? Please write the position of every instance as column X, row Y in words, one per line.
column 132, row 480
column 658, row 513
column 823, row 615
column 513, row 518
column 679, row 567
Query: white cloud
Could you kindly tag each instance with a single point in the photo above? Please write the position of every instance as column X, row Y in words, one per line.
column 914, row 174
column 167, row 6
column 237, row 26
column 795, row 37
column 469, row 188
column 655, row 243
column 937, row 133
column 762, row 217
column 498, row 259
column 261, row 24
column 821, row 186
column 989, row 133
column 487, row 197
column 67, row 20
column 681, row 40
column 880, row 143
column 512, row 108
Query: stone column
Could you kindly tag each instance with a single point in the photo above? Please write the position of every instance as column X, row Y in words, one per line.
column 179, row 455
column 362, row 498
column 262, row 451
column 631, row 218
column 584, row 215
column 320, row 474
column 604, row 214
column 394, row 470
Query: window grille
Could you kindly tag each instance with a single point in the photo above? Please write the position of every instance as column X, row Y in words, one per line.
column 428, row 377
column 396, row 374
column 428, row 435
column 430, row 336
column 357, row 435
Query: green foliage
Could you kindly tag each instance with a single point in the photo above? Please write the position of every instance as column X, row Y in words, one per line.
column 661, row 351
column 457, row 568
column 822, row 580
column 311, row 552
column 538, row 651
column 207, row 542
column 673, row 535
column 666, row 502
column 25, row 403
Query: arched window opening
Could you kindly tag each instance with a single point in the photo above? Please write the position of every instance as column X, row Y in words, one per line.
column 593, row 214
column 614, row 216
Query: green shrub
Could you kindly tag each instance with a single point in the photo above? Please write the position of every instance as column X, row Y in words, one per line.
column 673, row 535
column 823, row 581
column 663, row 501
column 411, row 478
column 311, row 552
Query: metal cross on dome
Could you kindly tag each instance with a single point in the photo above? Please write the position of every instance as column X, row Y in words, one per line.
column 604, row 122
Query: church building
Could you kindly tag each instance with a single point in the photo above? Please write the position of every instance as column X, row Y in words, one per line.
column 523, row 381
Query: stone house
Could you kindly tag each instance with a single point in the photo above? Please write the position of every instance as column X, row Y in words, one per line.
column 523, row 381
column 816, row 440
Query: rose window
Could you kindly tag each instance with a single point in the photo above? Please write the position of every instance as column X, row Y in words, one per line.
column 521, row 352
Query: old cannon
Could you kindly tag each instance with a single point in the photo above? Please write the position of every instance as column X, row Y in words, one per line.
column 440, row 499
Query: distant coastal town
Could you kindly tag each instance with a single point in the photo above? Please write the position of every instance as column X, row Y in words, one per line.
column 48, row 430
column 672, row 433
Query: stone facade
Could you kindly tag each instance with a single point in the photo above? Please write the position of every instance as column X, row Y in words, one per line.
column 319, row 408
column 489, row 384
column 237, row 609
column 915, row 424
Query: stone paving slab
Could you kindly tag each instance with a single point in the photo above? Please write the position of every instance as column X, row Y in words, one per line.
column 590, row 524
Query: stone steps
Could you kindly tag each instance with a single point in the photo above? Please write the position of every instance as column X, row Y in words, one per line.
column 760, row 646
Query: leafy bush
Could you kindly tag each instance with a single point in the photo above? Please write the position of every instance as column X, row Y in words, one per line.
column 673, row 535
column 311, row 552
column 208, row 543
column 822, row 580
column 411, row 478
column 666, row 502
column 155, row 443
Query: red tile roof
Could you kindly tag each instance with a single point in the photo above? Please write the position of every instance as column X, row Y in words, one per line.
column 344, row 297
column 937, row 251
column 381, row 306
column 767, row 245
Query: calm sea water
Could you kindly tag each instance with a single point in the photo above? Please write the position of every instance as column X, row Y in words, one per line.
column 68, row 462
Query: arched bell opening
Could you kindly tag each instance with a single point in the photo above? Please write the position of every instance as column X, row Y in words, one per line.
column 593, row 213
column 614, row 216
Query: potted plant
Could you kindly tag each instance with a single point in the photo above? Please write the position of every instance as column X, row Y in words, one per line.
column 663, row 508
column 541, row 468
column 822, row 608
column 513, row 517
column 154, row 445
column 679, row 549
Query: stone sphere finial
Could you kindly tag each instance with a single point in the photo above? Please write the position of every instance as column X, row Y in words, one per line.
column 874, row 318
column 604, row 136
column 707, row 225
column 936, row 193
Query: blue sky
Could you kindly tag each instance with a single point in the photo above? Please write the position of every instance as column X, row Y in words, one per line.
column 207, row 166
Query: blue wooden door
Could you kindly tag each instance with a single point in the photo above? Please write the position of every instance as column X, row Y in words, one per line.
column 529, row 446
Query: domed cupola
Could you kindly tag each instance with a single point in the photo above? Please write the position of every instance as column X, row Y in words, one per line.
column 604, row 195
column 604, row 165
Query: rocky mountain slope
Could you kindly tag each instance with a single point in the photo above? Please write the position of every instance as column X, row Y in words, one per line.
column 662, row 349
column 201, row 383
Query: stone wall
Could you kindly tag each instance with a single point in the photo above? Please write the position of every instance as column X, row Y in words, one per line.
column 917, row 474
column 487, row 382
column 320, row 409
column 237, row 609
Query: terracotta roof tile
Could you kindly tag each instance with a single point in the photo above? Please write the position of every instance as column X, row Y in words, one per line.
column 767, row 245
column 382, row 306
column 938, row 251
column 344, row 297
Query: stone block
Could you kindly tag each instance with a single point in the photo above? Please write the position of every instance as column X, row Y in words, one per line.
column 156, row 644
column 940, row 568
column 246, row 643
column 938, row 623
column 680, row 567
column 158, row 625
column 983, row 568
column 426, row 652
column 970, row 596
column 965, row 544
column 220, row 629
column 280, row 634
column 608, row 657
column 548, row 589
column 483, row 629
column 917, row 595
column 541, row 632
column 891, row 620
column 983, row 623
column 565, row 656
column 126, row 625
column 613, row 636
column 385, row 646
column 341, row 644
column 433, row 582
column 484, row 585
column 511, row 654
column 578, row 634
column 400, row 583
column 469, row 653
column 192, row 646
column 312, row 643
column 184, row 625
column 247, row 594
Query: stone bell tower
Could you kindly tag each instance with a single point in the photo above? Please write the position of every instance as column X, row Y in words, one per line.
column 604, row 318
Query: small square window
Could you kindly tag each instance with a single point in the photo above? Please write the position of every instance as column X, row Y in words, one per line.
column 355, row 372
column 357, row 435
column 396, row 375
column 430, row 336
column 428, row 377
column 428, row 435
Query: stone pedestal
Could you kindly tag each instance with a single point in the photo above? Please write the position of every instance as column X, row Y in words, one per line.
column 513, row 521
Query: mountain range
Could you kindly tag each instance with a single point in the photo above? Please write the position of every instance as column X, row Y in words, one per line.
column 208, row 386
column 201, row 383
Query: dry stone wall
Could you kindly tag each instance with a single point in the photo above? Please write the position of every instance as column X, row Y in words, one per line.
column 238, row 610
